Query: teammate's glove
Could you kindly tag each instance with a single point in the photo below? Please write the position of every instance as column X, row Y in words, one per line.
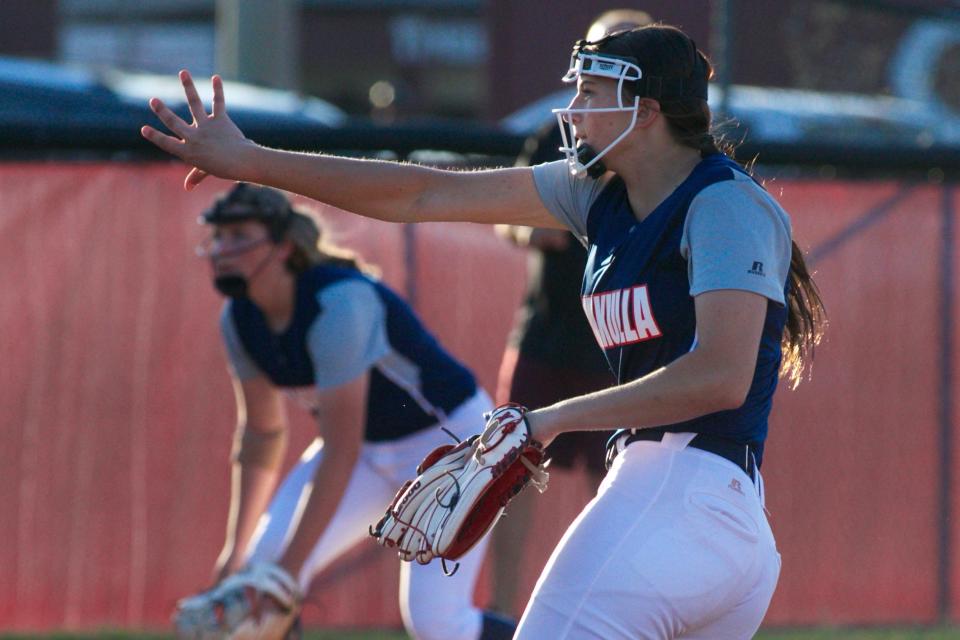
column 260, row 602
column 461, row 490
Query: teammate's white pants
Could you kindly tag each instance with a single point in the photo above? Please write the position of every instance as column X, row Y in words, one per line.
column 675, row 545
column 433, row 606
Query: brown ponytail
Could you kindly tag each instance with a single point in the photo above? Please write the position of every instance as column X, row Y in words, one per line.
column 806, row 320
column 310, row 247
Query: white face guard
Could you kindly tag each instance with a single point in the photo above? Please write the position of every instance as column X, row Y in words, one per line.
column 604, row 66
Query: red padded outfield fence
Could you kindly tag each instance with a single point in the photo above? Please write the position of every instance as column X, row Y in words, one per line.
column 116, row 411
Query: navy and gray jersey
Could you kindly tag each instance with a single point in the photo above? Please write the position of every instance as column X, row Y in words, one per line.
column 718, row 230
column 344, row 324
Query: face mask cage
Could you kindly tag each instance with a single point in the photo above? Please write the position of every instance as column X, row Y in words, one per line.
column 214, row 248
column 234, row 285
column 624, row 71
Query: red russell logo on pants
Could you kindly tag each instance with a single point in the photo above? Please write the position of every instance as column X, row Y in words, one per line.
column 621, row 317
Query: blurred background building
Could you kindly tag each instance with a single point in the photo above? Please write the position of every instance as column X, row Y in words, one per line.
column 488, row 58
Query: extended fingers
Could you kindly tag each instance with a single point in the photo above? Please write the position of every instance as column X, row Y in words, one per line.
column 173, row 122
column 169, row 144
column 193, row 98
column 219, row 103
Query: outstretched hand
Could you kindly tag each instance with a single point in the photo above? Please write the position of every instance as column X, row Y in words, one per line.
column 212, row 144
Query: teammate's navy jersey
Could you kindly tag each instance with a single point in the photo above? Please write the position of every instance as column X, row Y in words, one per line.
column 637, row 267
column 345, row 323
column 638, row 295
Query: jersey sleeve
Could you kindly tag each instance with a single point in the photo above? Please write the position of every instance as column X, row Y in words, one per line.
column 350, row 334
column 239, row 362
column 568, row 198
column 736, row 236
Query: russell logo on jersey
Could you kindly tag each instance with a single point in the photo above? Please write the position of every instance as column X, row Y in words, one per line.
column 621, row 317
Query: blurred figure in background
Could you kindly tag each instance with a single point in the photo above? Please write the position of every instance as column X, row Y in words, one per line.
column 615, row 20
column 304, row 317
column 552, row 353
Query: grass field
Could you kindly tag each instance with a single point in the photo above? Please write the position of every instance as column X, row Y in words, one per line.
column 862, row 634
column 796, row 634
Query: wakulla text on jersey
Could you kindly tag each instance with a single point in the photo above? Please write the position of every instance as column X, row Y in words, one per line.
column 621, row 317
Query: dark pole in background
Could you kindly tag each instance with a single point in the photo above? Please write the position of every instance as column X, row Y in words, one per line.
column 721, row 49
column 258, row 42
column 947, row 301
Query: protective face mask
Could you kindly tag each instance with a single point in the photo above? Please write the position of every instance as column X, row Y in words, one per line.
column 584, row 160
column 234, row 285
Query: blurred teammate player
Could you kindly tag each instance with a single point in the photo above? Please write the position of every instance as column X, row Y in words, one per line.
column 302, row 317
column 692, row 287
column 551, row 354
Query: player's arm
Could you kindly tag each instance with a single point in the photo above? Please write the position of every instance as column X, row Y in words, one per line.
column 341, row 415
column 716, row 375
column 345, row 342
column 396, row 192
column 259, row 449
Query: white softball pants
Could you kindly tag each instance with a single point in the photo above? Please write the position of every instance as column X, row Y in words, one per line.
column 676, row 544
column 433, row 605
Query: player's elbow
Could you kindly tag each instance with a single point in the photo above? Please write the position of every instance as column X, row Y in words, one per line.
column 724, row 389
column 730, row 391
column 424, row 197
column 723, row 379
column 731, row 399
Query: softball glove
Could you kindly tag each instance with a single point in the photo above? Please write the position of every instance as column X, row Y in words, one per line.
column 462, row 490
column 262, row 601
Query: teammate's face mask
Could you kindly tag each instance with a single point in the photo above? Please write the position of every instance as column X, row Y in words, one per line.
column 583, row 160
column 233, row 285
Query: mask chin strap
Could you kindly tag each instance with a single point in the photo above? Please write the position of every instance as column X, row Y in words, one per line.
column 588, row 163
column 239, row 286
column 584, row 160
